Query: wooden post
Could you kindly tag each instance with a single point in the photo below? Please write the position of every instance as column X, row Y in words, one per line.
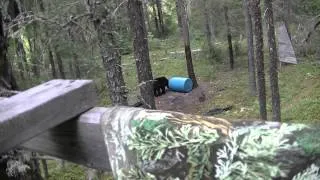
column 79, row 140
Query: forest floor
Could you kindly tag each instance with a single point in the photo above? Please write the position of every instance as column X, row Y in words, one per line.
column 299, row 84
column 185, row 102
column 221, row 87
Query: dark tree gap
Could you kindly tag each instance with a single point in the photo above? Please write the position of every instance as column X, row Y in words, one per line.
column 60, row 63
column 229, row 36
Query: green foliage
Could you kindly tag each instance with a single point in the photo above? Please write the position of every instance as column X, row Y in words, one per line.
column 310, row 7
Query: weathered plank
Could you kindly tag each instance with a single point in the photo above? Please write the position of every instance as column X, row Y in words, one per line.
column 38, row 109
column 79, row 140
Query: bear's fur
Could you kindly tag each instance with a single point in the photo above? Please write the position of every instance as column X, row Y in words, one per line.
column 159, row 86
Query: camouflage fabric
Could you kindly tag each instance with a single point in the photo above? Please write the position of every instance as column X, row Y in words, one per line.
column 151, row 144
column 117, row 128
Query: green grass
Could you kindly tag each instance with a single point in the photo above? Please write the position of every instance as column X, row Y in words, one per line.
column 70, row 172
column 299, row 91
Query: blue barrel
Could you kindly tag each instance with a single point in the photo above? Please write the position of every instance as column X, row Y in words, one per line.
column 180, row 84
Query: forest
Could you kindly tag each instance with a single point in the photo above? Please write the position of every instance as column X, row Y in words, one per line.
column 246, row 59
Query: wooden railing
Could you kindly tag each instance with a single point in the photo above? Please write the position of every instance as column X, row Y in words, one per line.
column 56, row 118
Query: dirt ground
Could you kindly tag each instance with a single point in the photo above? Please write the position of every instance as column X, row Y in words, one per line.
column 189, row 103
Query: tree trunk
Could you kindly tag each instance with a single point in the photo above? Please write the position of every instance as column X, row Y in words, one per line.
column 275, row 96
column 251, row 63
column 60, row 63
column 156, row 21
column 146, row 14
column 160, row 17
column 7, row 79
column 261, row 82
column 52, row 64
column 141, row 52
column 71, row 70
column 45, row 169
column 36, row 171
column 231, row 58
column 111, row 57
column 112, row 62
column 34, row 58
column 104, row 24
column 50, row 53
column 184, row 26
column 287, row 14
column 208, row 26
column 19, row 54
column 76, row 65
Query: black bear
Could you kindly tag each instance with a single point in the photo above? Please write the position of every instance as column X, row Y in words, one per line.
column 159, row 86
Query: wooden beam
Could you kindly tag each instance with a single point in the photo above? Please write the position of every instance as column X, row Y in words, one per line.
column 38, row 109
column 79, row 140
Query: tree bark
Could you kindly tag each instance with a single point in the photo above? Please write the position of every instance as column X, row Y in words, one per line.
column 34, row 58
column 50, row 53
column 160, row 17
column 250, row 48
column 146, row 14
column 208, row 30
column 141, row 52
column 71, row 70
column 184, row 29
column 45, row 169
column 104, row 24
column 275, row 96
column 156, row 21
column 19, row 54
column 286, row 15
column 7, row 79
column 261, row 82
column 52, row 64
column 231, row 57
column 60, row 63
column 76, row 65
column 22, row 59
column 75, row 59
